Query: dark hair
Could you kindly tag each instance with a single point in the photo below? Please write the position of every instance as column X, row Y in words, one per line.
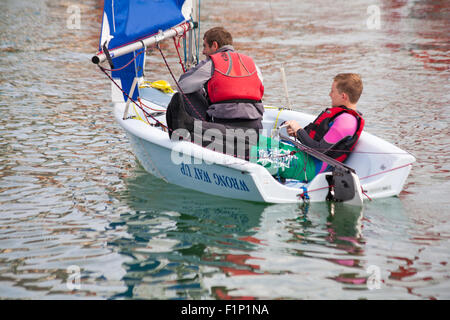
column 218, row 34
column 351, row 84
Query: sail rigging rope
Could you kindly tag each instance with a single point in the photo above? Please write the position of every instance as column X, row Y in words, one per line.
column 178, row 52
column 178, row 86
column 131, row 99
column 386, row 171
column 145, row 106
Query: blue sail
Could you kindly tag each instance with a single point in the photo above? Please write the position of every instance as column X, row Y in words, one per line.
column 127, row 21
column 127, row 75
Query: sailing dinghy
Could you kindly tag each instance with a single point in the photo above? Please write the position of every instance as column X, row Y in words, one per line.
column 375, row 169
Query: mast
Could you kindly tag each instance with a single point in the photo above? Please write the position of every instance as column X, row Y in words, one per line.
column 191, row 37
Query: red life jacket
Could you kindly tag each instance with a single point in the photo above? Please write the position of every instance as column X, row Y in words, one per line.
column 235, row 79
column 319, row 127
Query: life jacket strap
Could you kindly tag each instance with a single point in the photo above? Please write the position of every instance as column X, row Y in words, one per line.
column 239, row 101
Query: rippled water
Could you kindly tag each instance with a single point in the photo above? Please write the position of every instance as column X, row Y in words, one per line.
column 72, row 193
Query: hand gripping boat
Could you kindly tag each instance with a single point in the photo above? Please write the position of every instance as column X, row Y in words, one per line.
column 375, row 169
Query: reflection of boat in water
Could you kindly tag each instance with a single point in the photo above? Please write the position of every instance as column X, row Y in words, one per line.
column 146, row 191
column 196, row 246
column 296, row 245
column 380, row 168
column 173, row 245
column 319, row 252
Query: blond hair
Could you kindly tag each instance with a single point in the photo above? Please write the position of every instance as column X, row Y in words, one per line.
column 351, row 84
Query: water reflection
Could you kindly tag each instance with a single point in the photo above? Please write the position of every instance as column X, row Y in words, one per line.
column 65, row 197
column 189, row 245
column 184, row 244
column 427, row 44
column 296, row 246
column 343, row 230
column 178, row 236
column 411, row 270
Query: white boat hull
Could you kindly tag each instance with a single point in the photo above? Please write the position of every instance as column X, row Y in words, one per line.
column 191, row 166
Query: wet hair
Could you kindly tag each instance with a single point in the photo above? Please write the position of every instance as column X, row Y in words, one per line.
column 351, row 84
column 218, row 34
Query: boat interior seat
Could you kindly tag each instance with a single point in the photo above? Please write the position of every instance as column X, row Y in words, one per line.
column 155, row 96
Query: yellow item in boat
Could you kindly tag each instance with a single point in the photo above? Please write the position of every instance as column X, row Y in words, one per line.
column 162, row 85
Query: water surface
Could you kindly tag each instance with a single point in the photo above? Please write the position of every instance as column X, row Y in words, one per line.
column 73, row 194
